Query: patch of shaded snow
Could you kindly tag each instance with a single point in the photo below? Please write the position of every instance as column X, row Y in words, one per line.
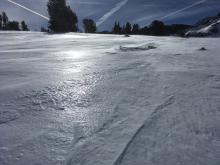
column 8, row 115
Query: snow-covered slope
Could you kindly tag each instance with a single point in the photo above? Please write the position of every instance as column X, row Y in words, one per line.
column 207, row 27
column 81, row 99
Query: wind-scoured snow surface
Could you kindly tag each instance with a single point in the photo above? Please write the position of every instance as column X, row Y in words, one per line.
column 80, row 99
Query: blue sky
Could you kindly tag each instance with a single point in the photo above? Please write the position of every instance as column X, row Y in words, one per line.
column 105, row 12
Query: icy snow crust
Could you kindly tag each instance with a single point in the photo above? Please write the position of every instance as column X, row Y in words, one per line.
column 81, row 99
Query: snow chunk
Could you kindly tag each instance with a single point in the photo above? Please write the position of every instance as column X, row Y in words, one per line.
column 138, row 47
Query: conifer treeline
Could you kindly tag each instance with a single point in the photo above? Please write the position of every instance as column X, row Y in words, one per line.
column 6, row 24
column 63, row 19
column 156, row 28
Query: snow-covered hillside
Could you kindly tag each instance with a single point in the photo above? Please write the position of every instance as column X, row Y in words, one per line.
column 81, row 99
column 206, row 27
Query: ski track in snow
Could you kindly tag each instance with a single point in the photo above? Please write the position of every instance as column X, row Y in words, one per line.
column 80, row 99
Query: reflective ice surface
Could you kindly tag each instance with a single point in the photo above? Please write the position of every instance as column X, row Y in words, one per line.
column 108, row 100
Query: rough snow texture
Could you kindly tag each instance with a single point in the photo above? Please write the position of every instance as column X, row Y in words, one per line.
column 81, row 99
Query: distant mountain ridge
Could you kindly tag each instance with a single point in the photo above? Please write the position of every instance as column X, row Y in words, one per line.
column 207, row 27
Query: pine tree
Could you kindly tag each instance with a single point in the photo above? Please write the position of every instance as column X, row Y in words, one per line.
column 114, row 29
column 4, row 20
column 44, row 29
column 24, row 26
column 0, row 22
column 62, row 18
column 135, row 29
column 89, row 26
column 13, row 25
column 123, row 29
column 71, row 20
column 144, row 30
column 128, row 28
column 157, row 28
column 117, row 28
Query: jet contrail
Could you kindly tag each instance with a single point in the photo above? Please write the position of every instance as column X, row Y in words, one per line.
column 183, row 9
column 32, row 11
column 111, row 12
